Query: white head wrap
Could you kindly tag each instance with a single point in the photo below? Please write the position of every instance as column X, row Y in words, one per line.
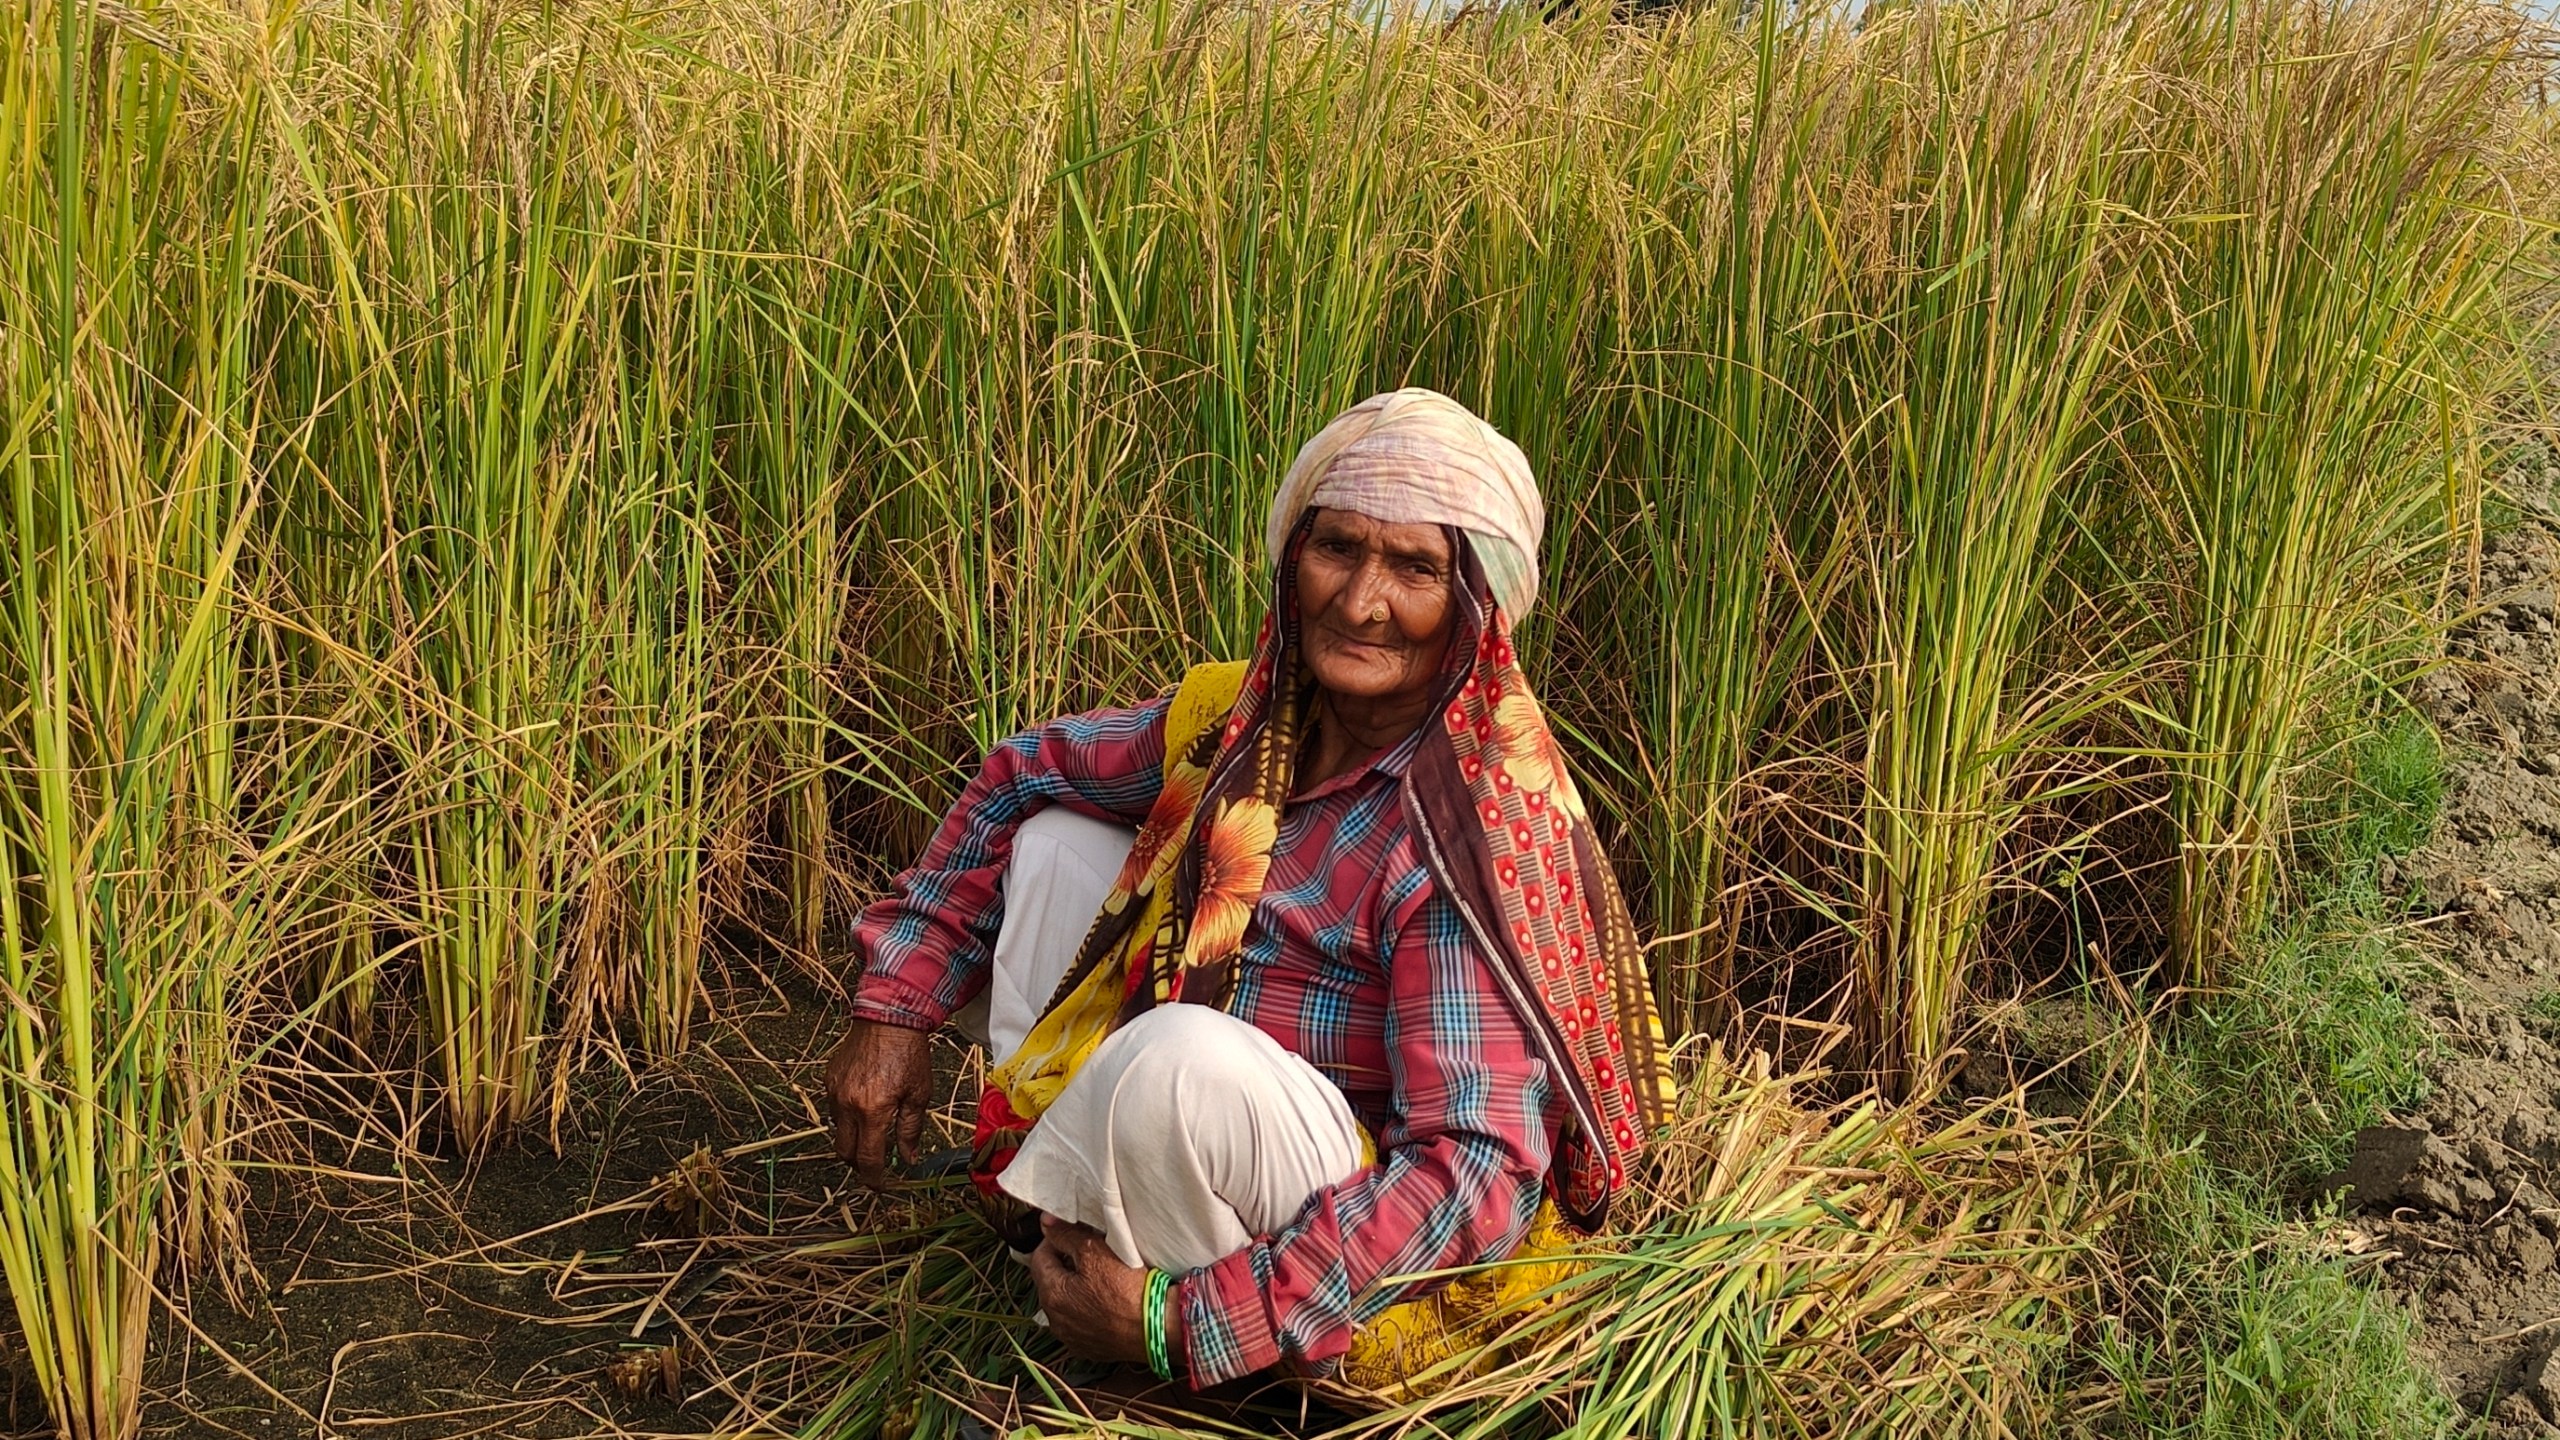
column 1417, row 457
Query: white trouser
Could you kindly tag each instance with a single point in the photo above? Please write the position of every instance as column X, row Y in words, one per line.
column 1061, row 871
column 1187, row 1133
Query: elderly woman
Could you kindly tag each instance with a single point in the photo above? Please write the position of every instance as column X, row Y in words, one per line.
column 1304, row 977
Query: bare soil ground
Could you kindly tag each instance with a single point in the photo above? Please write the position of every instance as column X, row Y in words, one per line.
column 2462, row 1202
column 612, row 1287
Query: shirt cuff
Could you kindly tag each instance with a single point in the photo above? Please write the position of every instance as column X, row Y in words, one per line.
column 1227, row 1328
column 888, row 1000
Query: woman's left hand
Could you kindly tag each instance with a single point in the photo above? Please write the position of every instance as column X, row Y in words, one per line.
column 1096, row 1305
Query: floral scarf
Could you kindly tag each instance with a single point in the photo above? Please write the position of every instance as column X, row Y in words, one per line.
column 1500, row 825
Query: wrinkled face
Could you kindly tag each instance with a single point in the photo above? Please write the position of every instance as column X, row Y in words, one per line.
column 1373, row 605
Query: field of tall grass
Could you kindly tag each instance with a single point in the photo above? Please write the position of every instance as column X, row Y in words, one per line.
column 512, row 504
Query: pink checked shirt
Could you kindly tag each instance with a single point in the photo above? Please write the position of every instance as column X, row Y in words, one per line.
column 1353, row 960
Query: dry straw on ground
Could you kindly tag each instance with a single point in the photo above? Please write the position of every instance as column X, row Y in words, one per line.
column 1789, row 1267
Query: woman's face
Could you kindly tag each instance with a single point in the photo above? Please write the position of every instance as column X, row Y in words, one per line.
column 1373, row 605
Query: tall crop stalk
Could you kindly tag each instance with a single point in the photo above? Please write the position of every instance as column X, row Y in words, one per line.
column 499, row 561
column 2313, row 417
column 332, row 530
column 1983, row 341
column 1722, row 519
column 1291, row 279
column 127, row 909
column 799, row 332
column 650, row 626
column 804, row 429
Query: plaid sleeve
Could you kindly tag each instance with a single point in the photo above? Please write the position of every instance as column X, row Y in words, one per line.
column 1462, row 1166
column 925, row 944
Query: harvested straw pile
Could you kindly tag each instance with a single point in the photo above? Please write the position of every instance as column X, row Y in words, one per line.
column 1785, row 1270
column 1849, row 1271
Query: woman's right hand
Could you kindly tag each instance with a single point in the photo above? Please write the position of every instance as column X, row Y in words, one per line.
column 879, row 1084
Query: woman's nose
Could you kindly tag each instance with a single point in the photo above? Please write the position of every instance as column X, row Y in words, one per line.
column 1367, row 593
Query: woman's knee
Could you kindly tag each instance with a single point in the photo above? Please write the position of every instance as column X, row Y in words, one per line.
column 1172, row 1048
column 1202, row 1094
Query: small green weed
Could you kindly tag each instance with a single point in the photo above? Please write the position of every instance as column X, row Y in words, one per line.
column 2312, row 1038
column 2244, row 1330
column 2381, row 798
column 2307, row 1044
column 2235, row 1324
column 2543, row 1011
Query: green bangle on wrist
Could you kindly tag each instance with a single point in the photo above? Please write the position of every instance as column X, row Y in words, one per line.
column 1159, row 1300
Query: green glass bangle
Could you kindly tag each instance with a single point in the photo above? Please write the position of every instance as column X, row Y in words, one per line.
column 1159, row 1353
